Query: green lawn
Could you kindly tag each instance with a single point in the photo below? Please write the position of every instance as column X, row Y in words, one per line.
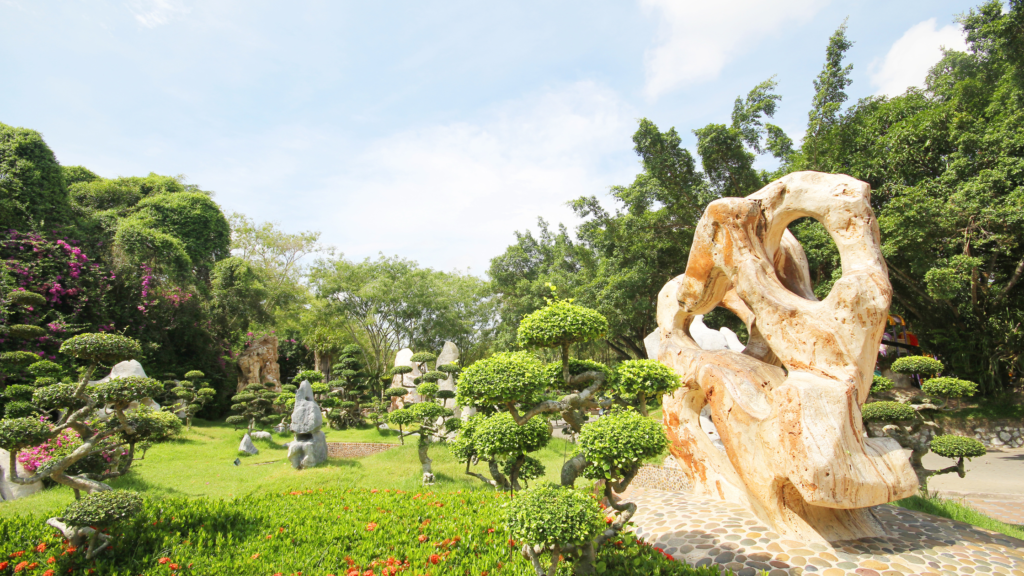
column 201, row 463
column 959, row 512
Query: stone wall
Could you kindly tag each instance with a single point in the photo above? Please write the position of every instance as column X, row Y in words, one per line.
column 991, row 433
column 356, row 449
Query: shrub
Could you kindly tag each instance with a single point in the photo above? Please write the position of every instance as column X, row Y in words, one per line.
column 57, row 397
column 620, row 442
column 427, row 389
column 19, row 409
column 26, row 331
column 101, row 347
column 449, row 368
column 421, row 357
column 103, row 509
column 121, row 391
column 320, row 388
column 194, row 375
column 445, row 394
column 952, row 446
column 26, row 298
column 559, row 324
column 498, row 436
column 396, row 392
column 946, row 387
column 18, row 433
column 922, row 365
column 531, row 468
column 18, row 358
column 395, row 370
column 647, row 377
column 43, row 381
column 45, row 368
column 886, row 411
column 552, row 515
column 434, row 376
column 19, row 392
column 311, row 375
column 154, row 425
column 881, row 384
column 502, row 378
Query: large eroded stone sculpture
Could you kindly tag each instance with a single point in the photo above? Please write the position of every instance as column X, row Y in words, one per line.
column 258, row 363
column 787, row 408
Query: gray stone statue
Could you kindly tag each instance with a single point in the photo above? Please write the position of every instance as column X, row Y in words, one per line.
column 310, row 445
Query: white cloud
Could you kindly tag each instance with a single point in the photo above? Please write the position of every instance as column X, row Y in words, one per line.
column 910, row 57
column 451, row 195
column 153, row 13
column 698, row 38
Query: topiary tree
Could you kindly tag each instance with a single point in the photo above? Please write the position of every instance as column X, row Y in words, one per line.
column 881, row 385
column 911, row 427
column 351, row 389
column 87, row 521
column 433, row 422
column 922, row 365
column 193, row 393
column 255, row 406
column 555, row 520
column 81, row 468
column 612, row 449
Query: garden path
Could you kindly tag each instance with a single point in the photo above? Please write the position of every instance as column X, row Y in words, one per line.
column 702, row 531
column 993, row 484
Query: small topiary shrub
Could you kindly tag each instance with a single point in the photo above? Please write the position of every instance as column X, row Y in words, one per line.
column 434, row 376
column 26, row 298
column 559, row 324
column 643, row 379
column 45, row 369
column 449, row 368
column 395, row 370
column 396, row 392
column 427, row 390
column 18, row 433
column 98, row 347
column 57, row 396
column 555, row 520
column 423, row 357
column 887, row 411
column 617, row 443
column 952, row 446
column 922, row 365
column 881, row 384
column 946, row 387
column 18, row 358
column 499, row 437
column 26, row 331
column 103, row 509
column 19, row 409
column 507, row 377
column 124, row 390
column 19, row 392
column 312, row 375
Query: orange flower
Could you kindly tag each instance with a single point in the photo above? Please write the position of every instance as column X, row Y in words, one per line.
column 490, row 530
column 51, row 560
column 48, row 573
column 174, row 566
column 41, row 548
column 371, row 526
column 33, row 565
column 434, row 558
column 269, row 536
column 20, row 567
column 422, row 538
column 163, row 560
column 72, row 550
column 608, row 520
column 17, row 554
column 256, row 555
column 281, row 529
column 3, row 565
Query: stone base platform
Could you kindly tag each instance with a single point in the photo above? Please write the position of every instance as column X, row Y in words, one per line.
column 702, row 531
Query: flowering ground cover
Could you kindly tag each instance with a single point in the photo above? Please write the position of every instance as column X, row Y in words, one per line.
column 350, row 532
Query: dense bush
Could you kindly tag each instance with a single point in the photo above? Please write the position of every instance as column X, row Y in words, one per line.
column 107, row 348
column 886, row 411
column 561, row 323
column 121, row 391
column 498, row 436
column 951, row 446
column 311, row 375
column 947, row 387
column 553, row 515
column 18, row 433
column 502, row 378
column 618, row 442
column 103, row 509
column 922, row 365
column 881, row 384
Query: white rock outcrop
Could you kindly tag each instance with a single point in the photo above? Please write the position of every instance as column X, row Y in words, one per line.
column 11, row 490
column 310, row 445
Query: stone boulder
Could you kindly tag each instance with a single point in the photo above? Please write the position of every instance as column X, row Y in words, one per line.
column 306, row 416
column 309, row 448
column 261, row 435
column 10, row 490
column 258, row 363
column 247, row 446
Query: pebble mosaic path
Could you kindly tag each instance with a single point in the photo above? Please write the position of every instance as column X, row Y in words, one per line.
column 704, row 531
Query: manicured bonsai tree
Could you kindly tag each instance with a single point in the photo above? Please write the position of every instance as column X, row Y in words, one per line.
column 554, row 519
column 349, row 391
column 255, row 406
column 76, row 405
column 392, row 373
column 433, row 420
column 87, row 521
column 913, row 425
column 194, row 393
column 611, row 449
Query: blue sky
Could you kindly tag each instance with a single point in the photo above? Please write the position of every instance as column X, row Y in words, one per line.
column 431, row 130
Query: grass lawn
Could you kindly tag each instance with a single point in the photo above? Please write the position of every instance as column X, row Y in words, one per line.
column 201, row 463
column 959, row 512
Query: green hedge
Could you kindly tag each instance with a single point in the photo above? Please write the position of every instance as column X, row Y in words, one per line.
column 315, row 533
column 949, row 387
column 952, row 446
column 886, row 411
column 922, row 365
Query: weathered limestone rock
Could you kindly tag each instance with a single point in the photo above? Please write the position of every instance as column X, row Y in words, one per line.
column 310, row 445
column 404, row 358
column 247, row 446
column 306, row 415
column 10, row 490
column 261, row 435
column 121, row 370
column 258, row 363
column 786, row 408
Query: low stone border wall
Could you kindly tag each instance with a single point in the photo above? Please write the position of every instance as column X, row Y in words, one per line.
column 661, row 478
column 993, row 434
column 356, row 449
